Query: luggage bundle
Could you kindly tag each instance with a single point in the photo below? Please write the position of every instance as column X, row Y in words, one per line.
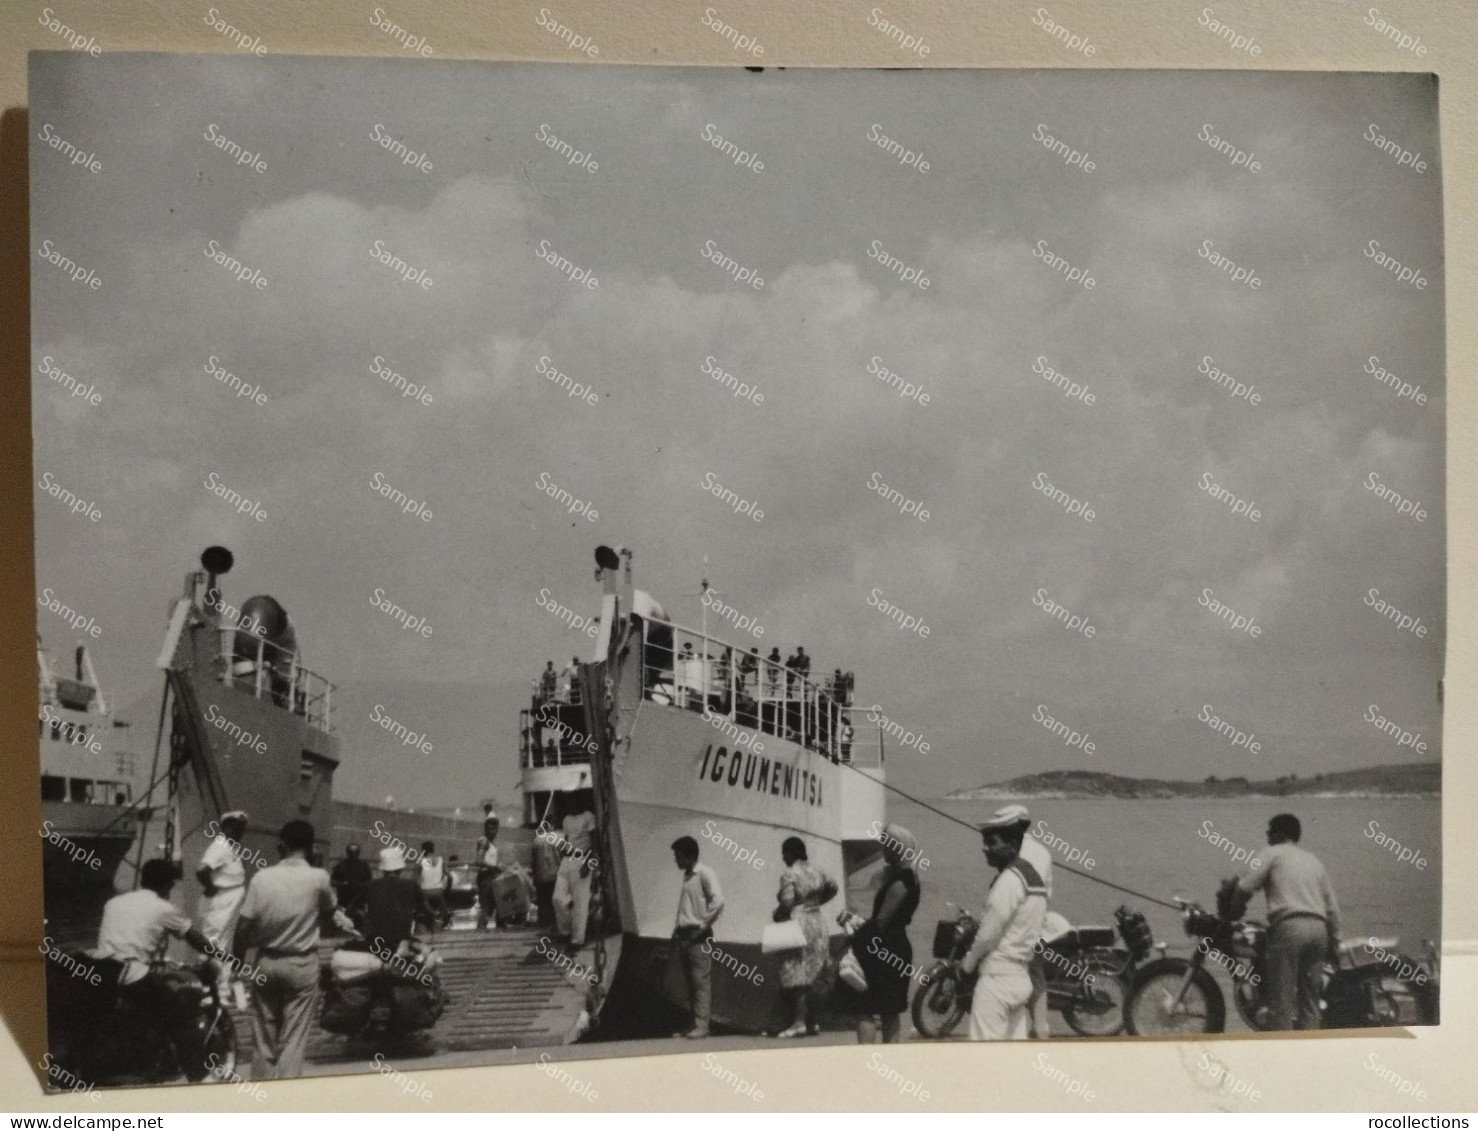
column 355, row 980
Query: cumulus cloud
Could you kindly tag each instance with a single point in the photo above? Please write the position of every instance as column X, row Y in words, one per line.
column 639, row 340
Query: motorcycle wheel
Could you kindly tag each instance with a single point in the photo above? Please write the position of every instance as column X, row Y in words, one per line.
column 1385, row 1000
column 939, row 1004
column 1147, row 1012
column 220, row 1043
column 1099, row 1010
column 1251, row 1006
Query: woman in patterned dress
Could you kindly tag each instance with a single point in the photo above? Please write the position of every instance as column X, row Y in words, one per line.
column 804, row 889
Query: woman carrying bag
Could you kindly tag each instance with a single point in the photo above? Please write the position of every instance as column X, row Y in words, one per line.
column 881, row 943
column 804, row 890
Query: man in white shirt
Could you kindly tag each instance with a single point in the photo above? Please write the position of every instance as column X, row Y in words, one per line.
column 569, row 681
column 572, row 881
column 434, row 884
column 485, row 856
column 1009, row 929
column 280, row 918
column 699, row 903
column 135, row 930
column 222, row 876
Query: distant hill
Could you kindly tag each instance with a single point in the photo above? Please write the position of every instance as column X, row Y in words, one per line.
column 1420, row 780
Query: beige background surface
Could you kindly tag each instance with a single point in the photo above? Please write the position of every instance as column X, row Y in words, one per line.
column 1343, row 1073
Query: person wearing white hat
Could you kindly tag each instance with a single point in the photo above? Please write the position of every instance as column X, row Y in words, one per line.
column 222, row 876
column 1009, row 927
column 393, row 904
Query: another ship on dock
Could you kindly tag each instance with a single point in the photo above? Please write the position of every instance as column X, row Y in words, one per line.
column 672, row 732
column 89, row 821
column 250, row 725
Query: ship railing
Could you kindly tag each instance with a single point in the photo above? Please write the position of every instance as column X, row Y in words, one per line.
column 550, row 735
column 562, row 689
column 266, row 670
column 693, row 671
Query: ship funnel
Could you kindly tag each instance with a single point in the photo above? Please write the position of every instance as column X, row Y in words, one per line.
column 216, row 560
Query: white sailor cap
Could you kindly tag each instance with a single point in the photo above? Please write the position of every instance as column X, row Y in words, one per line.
column 1005, row 818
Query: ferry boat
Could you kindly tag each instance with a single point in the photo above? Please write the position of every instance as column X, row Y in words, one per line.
column 87, row 777
column 250, row 726
column 671, row 732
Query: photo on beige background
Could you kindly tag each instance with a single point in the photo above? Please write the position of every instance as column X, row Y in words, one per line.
column 537, row 563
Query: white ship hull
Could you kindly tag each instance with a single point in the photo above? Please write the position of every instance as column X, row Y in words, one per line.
column 703, row 762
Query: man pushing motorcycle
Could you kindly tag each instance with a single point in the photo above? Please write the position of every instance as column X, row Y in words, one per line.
column 1009, row 927
column 1303, row 923
column 135, row 930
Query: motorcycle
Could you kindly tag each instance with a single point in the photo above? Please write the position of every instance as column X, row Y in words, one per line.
column 1180, row 995
column 98, row 1035
column 1088, row 974
column 379, row 998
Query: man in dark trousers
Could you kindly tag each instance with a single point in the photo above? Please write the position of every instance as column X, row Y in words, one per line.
column 393, row 905
column 350, row 877
column 1303, row 923
column 136, row 926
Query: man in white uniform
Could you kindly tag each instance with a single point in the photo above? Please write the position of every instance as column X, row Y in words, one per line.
column 1035, row 853
column 1009, row 928
column 572, row 883
column 222, row 876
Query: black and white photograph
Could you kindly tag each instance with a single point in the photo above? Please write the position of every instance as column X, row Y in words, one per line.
column 540, row 562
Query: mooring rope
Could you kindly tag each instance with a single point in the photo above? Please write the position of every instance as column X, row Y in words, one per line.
column 1055, row 863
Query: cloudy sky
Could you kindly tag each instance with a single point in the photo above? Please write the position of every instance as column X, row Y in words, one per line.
column 806, row 455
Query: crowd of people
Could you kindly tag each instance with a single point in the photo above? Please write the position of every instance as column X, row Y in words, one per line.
column 277, row 916
column 879, row 944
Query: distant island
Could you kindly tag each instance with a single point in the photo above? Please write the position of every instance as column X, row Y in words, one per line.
column 1423, row 779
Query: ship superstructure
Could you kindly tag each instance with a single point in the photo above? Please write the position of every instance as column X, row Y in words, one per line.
column 87, row 776
column 250, row 726
column 675, row 732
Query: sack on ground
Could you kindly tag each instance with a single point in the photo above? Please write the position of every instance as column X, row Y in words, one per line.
column 416, row 1005
column 346, row 1008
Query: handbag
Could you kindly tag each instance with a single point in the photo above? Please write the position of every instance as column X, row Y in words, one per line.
column 849, row 970
column 782, row 936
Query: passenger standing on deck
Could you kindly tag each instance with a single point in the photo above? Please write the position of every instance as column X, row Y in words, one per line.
column 569, row 680
column 804, row 890
column 881, row 943
column 749, row 665
column 548, row 681
column 774, row 674
column 1009, row 929
column 699, row 903
column 280, row 918
column 572, row 882
column 434, row 880
column 486, row 858
column 222, row 877
column 1303, row 923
